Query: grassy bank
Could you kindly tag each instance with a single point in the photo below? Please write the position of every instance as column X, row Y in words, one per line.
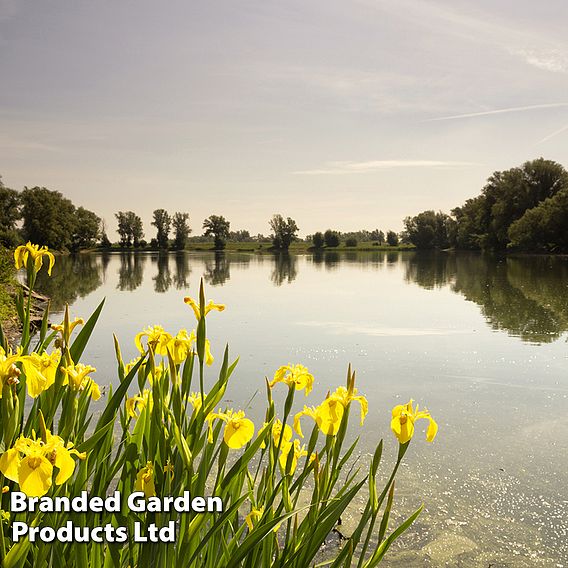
column 7, row 307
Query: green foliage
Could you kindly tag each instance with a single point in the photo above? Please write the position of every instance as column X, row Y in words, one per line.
column 129, row 228
column 180, row 221
column 429, row 230
column 218, row 227
column 284, row 231
column 10, row 214
column 7, row 308
column 351, row 242
column 48, row 217
column 392, row 239
column 543, row 228
column 331, row 238
column 318, row 240
column 86, row 231
column 162, row 221
column 484, row 222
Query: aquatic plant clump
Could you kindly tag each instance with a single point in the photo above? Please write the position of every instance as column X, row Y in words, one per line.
column 159, row 456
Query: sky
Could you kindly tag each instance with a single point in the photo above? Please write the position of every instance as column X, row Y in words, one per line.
column 343, row 115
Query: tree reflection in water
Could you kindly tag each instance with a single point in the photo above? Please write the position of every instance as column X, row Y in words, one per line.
column 285, row 268
column 131, row 271
column 524, row 296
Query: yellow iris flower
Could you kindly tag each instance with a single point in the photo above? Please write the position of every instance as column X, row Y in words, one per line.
column 346, row 396
column 180, row 346
column 156, row 337
column 77, row 377
column 238, row 429
column 254, row 516
column 40, row 371
column 34, row 471
column 297, row 452
column 135, row 404
column 145, row 481
column 197, row 311
column 294, row 375
column 403, row 419
column 9, row 373
column 72, row 325
column 33, row 254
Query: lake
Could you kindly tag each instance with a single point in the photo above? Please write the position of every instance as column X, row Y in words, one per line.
column 480, row 341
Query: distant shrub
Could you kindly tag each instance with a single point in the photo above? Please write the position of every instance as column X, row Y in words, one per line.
column 318, row 240
column 351, row 242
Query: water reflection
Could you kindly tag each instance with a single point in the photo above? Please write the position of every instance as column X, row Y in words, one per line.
column 218, row 270
column 523, row 296
column 131, row 271
column 163, row 279
column 285, row 268
column 76, row 277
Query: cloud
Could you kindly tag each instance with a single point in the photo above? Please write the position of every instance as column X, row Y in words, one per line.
column 553, row 60
column 340, row 168
column 498, row 111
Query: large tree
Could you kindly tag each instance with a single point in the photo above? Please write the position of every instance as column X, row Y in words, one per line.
column 49, row 218
column 87, row 229
column 130, row 228
column 484, row 222
column 284, row 231
column 162, row 221
column 429, row 230
column 218, row 227
column 180, row 222
column 10, row 214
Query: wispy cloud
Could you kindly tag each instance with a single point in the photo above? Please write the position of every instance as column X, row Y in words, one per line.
column 498, row 111
column 340, row 168
column 553, row 60
column 553, row 134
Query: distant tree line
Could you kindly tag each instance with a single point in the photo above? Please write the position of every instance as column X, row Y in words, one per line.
column 523, row 208
column 332, row 239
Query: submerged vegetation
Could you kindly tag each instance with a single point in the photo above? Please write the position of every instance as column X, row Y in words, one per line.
column 160, row 430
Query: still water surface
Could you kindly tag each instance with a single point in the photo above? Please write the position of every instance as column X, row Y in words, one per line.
column 480, row 341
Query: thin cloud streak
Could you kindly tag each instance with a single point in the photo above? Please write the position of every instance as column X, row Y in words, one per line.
column 553, row 134
column 497, row 111
column 341, row 168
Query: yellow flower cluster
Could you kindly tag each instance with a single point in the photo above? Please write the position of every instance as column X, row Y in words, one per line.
column 30, row 463
column 163, row 343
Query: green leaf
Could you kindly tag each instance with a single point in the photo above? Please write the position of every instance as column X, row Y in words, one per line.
column 84, row 335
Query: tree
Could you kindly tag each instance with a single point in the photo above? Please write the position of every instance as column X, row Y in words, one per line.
column 484, row 222
column 284, row 231
column 392, row 239
column 378, row 236
column 351, row 242
column 543, row 227
column 10, row 214
column 129, row 228
column 318, row 240
column 162, row 221
column 86, row 231
column 181, row 230
column 49, row 218
column 331, row 238
column 218, row 227
column 430, row 230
